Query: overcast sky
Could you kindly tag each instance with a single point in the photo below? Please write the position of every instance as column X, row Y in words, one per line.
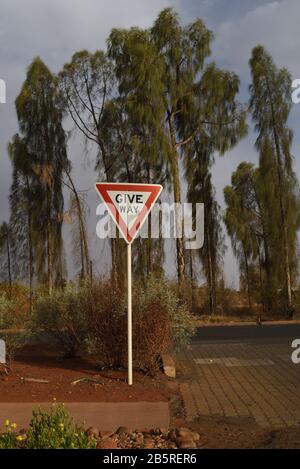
column 55, row 29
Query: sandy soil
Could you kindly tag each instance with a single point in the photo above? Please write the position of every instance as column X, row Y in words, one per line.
column 243, row 434
column 104, row 386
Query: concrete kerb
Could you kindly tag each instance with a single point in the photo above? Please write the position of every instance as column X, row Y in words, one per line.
column 107, row 416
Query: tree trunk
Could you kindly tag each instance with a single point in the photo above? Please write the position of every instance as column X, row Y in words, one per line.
column 82, row 274
column 9, row 265
column 30, row 248
column 85, row 255
column 149, row 250
column 211, row 277
column 114, row 275
column 91, row 271
column 113, row 241
column 49, row 244
column 261, row 283
column 284, row 227
column 192, row 279
column 281, row 206
column 247, row 278
column 214, row 290
column 177, row 200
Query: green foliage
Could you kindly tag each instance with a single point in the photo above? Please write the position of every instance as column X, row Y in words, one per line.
column 39, row 159
column 174, row 95
column 8, row 437
column 270, row 105
column 55, row 429
column 84, row 318
column 63, row 316
column 156, row 293
column 48, row 429
column 200, row 188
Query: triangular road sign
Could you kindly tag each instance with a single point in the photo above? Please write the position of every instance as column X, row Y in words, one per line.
column 128, row 204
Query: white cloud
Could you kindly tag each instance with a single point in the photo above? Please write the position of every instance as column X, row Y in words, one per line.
column 275, row 25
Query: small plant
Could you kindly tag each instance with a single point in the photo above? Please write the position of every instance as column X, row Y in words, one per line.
column 8, row 439
column 48, row 429
column 55, row 429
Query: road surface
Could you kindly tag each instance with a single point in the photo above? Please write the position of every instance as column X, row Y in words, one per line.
column 277, row 332
column 242, row 372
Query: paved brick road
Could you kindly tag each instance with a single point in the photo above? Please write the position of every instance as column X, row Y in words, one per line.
column 252, row 378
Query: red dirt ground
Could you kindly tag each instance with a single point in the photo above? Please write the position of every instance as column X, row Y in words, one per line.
column 42, row 363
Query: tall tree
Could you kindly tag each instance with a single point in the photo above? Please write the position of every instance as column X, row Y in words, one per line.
column 24, row 207
column 40, row 114
column 200, row 189
column 135, row 148
column 270, row 104
column 163, row 74
column 243, row 220
column 87, row 84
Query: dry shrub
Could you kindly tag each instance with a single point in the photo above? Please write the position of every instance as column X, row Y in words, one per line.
column 160, row 322
column 19, row 307
column 152, row 335
column 11, row 329
column 107, row 325
column 63, row 318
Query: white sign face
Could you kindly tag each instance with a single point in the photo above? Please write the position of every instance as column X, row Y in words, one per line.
column 129, row 204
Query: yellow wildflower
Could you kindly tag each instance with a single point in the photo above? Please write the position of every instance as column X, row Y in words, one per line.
column 20, row 438
column 14, row 426
column 6, row 423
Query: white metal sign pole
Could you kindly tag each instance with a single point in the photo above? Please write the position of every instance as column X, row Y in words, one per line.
column 129, row 312
column 135, row 200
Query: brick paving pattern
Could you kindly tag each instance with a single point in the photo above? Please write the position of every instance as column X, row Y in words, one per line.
column 254, row 380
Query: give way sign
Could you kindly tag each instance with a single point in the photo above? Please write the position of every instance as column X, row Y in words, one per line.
column 129, row 204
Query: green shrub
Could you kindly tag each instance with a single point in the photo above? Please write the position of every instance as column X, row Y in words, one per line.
column 48, row 429
column 55, row 429
column 182, row 322
column 62, row 317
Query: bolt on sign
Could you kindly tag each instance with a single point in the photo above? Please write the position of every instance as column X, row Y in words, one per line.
column 129, row 206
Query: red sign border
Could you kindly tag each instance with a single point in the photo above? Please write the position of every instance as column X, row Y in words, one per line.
column 154, row 189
